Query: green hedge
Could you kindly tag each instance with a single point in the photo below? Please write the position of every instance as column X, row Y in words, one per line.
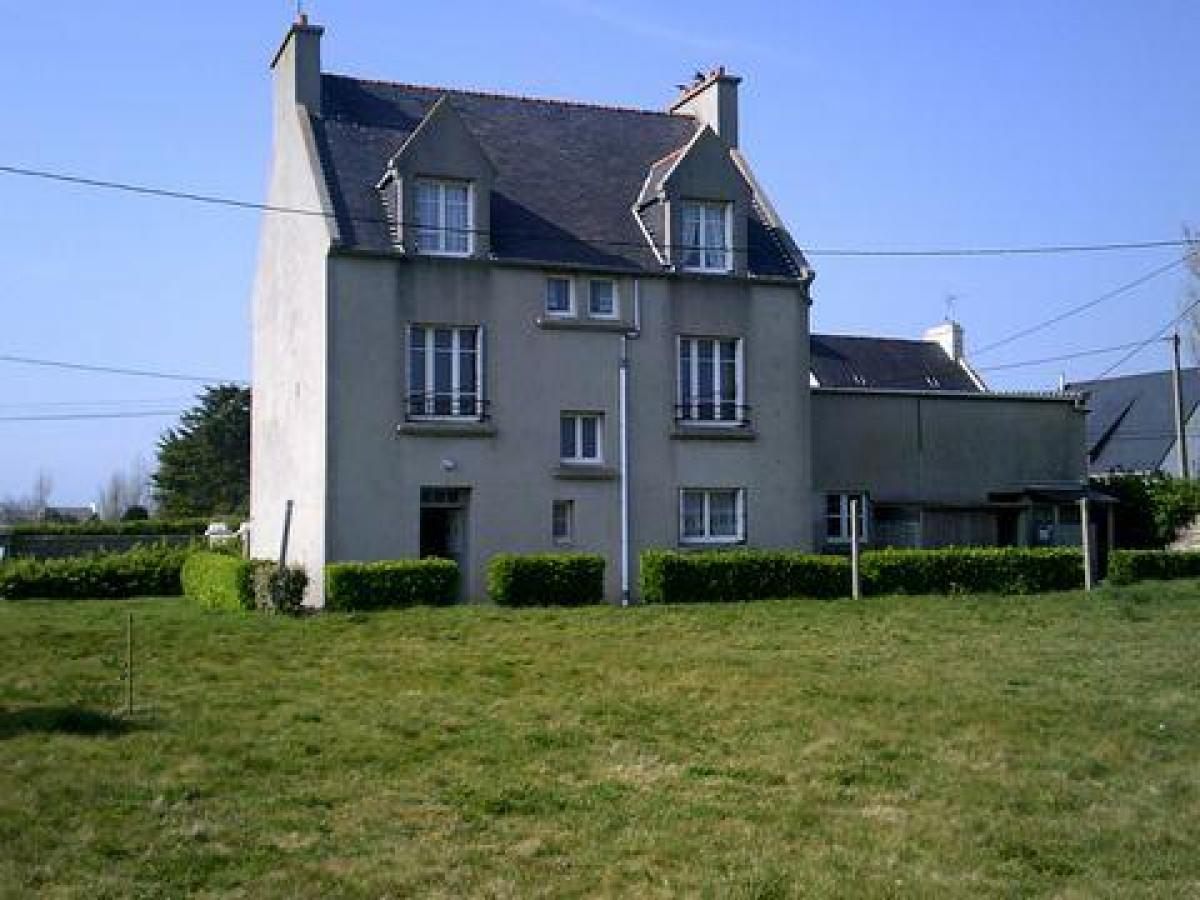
column 137, row 527
column 671, row 576
column 378, row 585
column 276, row 589
column 975, row 570
column 145, row 571
column 1128, row 566
column 546, row 579
column 218, row 580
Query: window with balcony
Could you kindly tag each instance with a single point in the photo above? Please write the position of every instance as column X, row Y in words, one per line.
column 443, row 217
column 707, row 235
column 444, row 375
column 712, row 515
column 710, row 381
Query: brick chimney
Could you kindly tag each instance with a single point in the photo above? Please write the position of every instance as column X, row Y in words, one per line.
column 297, row 66
column 712, row 98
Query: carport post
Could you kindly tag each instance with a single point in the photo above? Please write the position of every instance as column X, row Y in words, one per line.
column 1084, row 529
column 855, row 589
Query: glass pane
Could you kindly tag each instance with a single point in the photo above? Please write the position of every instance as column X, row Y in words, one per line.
column 691, row 225
column 601, row 298
column 704, row 388
column 591, row 437
column 566, row 437
column 558, row 295
column 722, row 513
column 728, row 397
column 457, row 218
column 416, row 371
column 693, row 514
column 685, row 378
column 443, row 371
column 561, row 526
column 426, row 209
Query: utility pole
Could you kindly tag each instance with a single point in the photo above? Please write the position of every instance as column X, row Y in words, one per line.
column 1180, row 438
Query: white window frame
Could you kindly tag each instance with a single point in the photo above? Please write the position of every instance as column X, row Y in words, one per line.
column 440, row 228
column 739, row 537
column 842, row 535
column 579, row 459
column 561, row 313
column 616, row 299
column 706, row 264
column 568, row 507
column 456, row 397
column 689, row 413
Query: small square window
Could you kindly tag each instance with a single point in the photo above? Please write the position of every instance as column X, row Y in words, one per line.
column 712, row 515
column 558, row 296
column 562, row 526
column 580, row 437
column 602, row 298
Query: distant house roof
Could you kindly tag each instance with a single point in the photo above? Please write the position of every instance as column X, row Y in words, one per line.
column 567, row 174
column 845, row 361
column 1131, row 426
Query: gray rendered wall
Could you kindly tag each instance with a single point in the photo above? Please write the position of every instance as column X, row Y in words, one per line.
column 533, row 373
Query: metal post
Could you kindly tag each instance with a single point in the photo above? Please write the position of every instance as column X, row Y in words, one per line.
column 855, row 589
column 1085, row 531
column 129, row 664
column 287, row 529
column 1180, row 436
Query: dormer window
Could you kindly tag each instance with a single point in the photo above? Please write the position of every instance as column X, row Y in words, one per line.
column 707, row 231
column 444, row 219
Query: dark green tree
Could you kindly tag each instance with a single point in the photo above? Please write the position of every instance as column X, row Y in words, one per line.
column 204, row 463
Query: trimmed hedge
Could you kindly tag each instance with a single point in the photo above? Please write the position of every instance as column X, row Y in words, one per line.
column 546, row 579
column 379, row 585
column 974, row 570
column 145, row 571
column 218, row 580
column 670, row 576
column 278, row 590
column 1128, row 566
column 194, row 526
column 713, row 576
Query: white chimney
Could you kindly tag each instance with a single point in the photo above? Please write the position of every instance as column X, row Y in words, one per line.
column 713, row 100
column 950, row 336
column 297, row 66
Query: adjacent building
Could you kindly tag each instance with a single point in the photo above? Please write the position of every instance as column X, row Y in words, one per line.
column 510, row 324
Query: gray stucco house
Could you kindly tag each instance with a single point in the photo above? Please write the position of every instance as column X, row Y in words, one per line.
column 508, row 324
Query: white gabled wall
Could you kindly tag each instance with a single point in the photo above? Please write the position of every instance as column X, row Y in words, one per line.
column 288, row 428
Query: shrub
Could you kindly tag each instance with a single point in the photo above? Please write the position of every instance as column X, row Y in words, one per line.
column 546, row 579
column 218, row 580
column 145, row 571
column 276, row 589
column 1152, row 509
column 670, row 576
column 980, row 570
column 135, row 527
column 377, row 585
column 135, row 513
column 1128, row 566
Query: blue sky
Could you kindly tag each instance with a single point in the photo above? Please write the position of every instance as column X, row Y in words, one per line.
column 872, row 125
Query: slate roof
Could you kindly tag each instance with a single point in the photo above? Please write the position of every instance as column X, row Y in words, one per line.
column 1131, row 426
column 845, row 361
column 566, row 173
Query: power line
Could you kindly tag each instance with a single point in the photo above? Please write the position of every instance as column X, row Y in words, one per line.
column 114, row 370
column 1096, row 301
column 894, row 253
column 67, row 417
column 1080, row 354
column 52, row 404
column 1148, row 341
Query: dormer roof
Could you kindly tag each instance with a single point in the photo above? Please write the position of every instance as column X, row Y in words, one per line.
column 567, row 175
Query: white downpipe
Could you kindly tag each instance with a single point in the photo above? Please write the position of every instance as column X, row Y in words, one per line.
column 623, row 418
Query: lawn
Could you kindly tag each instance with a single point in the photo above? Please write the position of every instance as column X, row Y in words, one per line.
column 924, row 747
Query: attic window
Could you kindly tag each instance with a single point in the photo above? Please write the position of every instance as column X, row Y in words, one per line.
column 443, row 217
column 706, row 236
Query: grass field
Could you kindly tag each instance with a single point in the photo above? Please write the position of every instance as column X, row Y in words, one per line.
column 898, row 747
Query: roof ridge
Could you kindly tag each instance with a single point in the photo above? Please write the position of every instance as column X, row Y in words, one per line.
column 494, row 95
column 871, row 337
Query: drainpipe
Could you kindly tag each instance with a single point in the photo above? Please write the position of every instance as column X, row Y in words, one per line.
column 623, row 416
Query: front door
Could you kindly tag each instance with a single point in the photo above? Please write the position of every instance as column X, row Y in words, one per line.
column 444, row 526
